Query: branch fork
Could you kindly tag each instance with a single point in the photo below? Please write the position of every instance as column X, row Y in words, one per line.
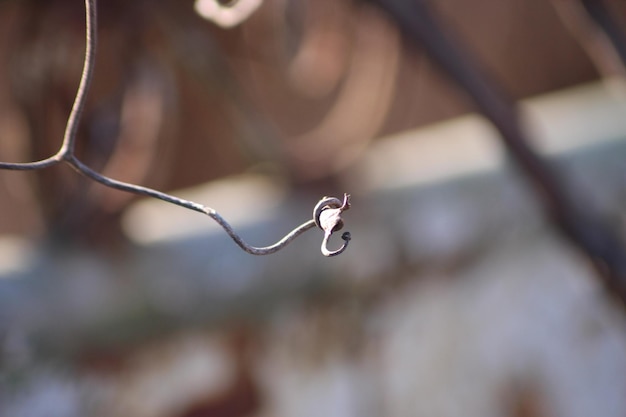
column 327, row 213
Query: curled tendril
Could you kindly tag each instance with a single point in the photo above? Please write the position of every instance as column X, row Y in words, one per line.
column 327, row 216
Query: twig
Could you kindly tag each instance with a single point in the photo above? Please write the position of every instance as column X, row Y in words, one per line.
column 27, row 166
column 66, row 155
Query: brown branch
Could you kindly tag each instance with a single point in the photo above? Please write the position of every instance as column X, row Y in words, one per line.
column 66, row 155
column 574, row 218
column 599, row 12
column 598, row 34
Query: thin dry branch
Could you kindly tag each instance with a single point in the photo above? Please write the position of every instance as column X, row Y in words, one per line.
column 66, row 156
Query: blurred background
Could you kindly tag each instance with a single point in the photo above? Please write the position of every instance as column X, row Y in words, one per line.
column 456, row 297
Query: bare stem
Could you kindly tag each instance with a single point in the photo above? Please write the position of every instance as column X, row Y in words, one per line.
column 69, row 138
column 91, row 27
column 27, row 166
column 66, row 154
column 149, row 192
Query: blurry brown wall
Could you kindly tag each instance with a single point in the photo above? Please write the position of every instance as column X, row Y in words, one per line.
column 264, row 91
